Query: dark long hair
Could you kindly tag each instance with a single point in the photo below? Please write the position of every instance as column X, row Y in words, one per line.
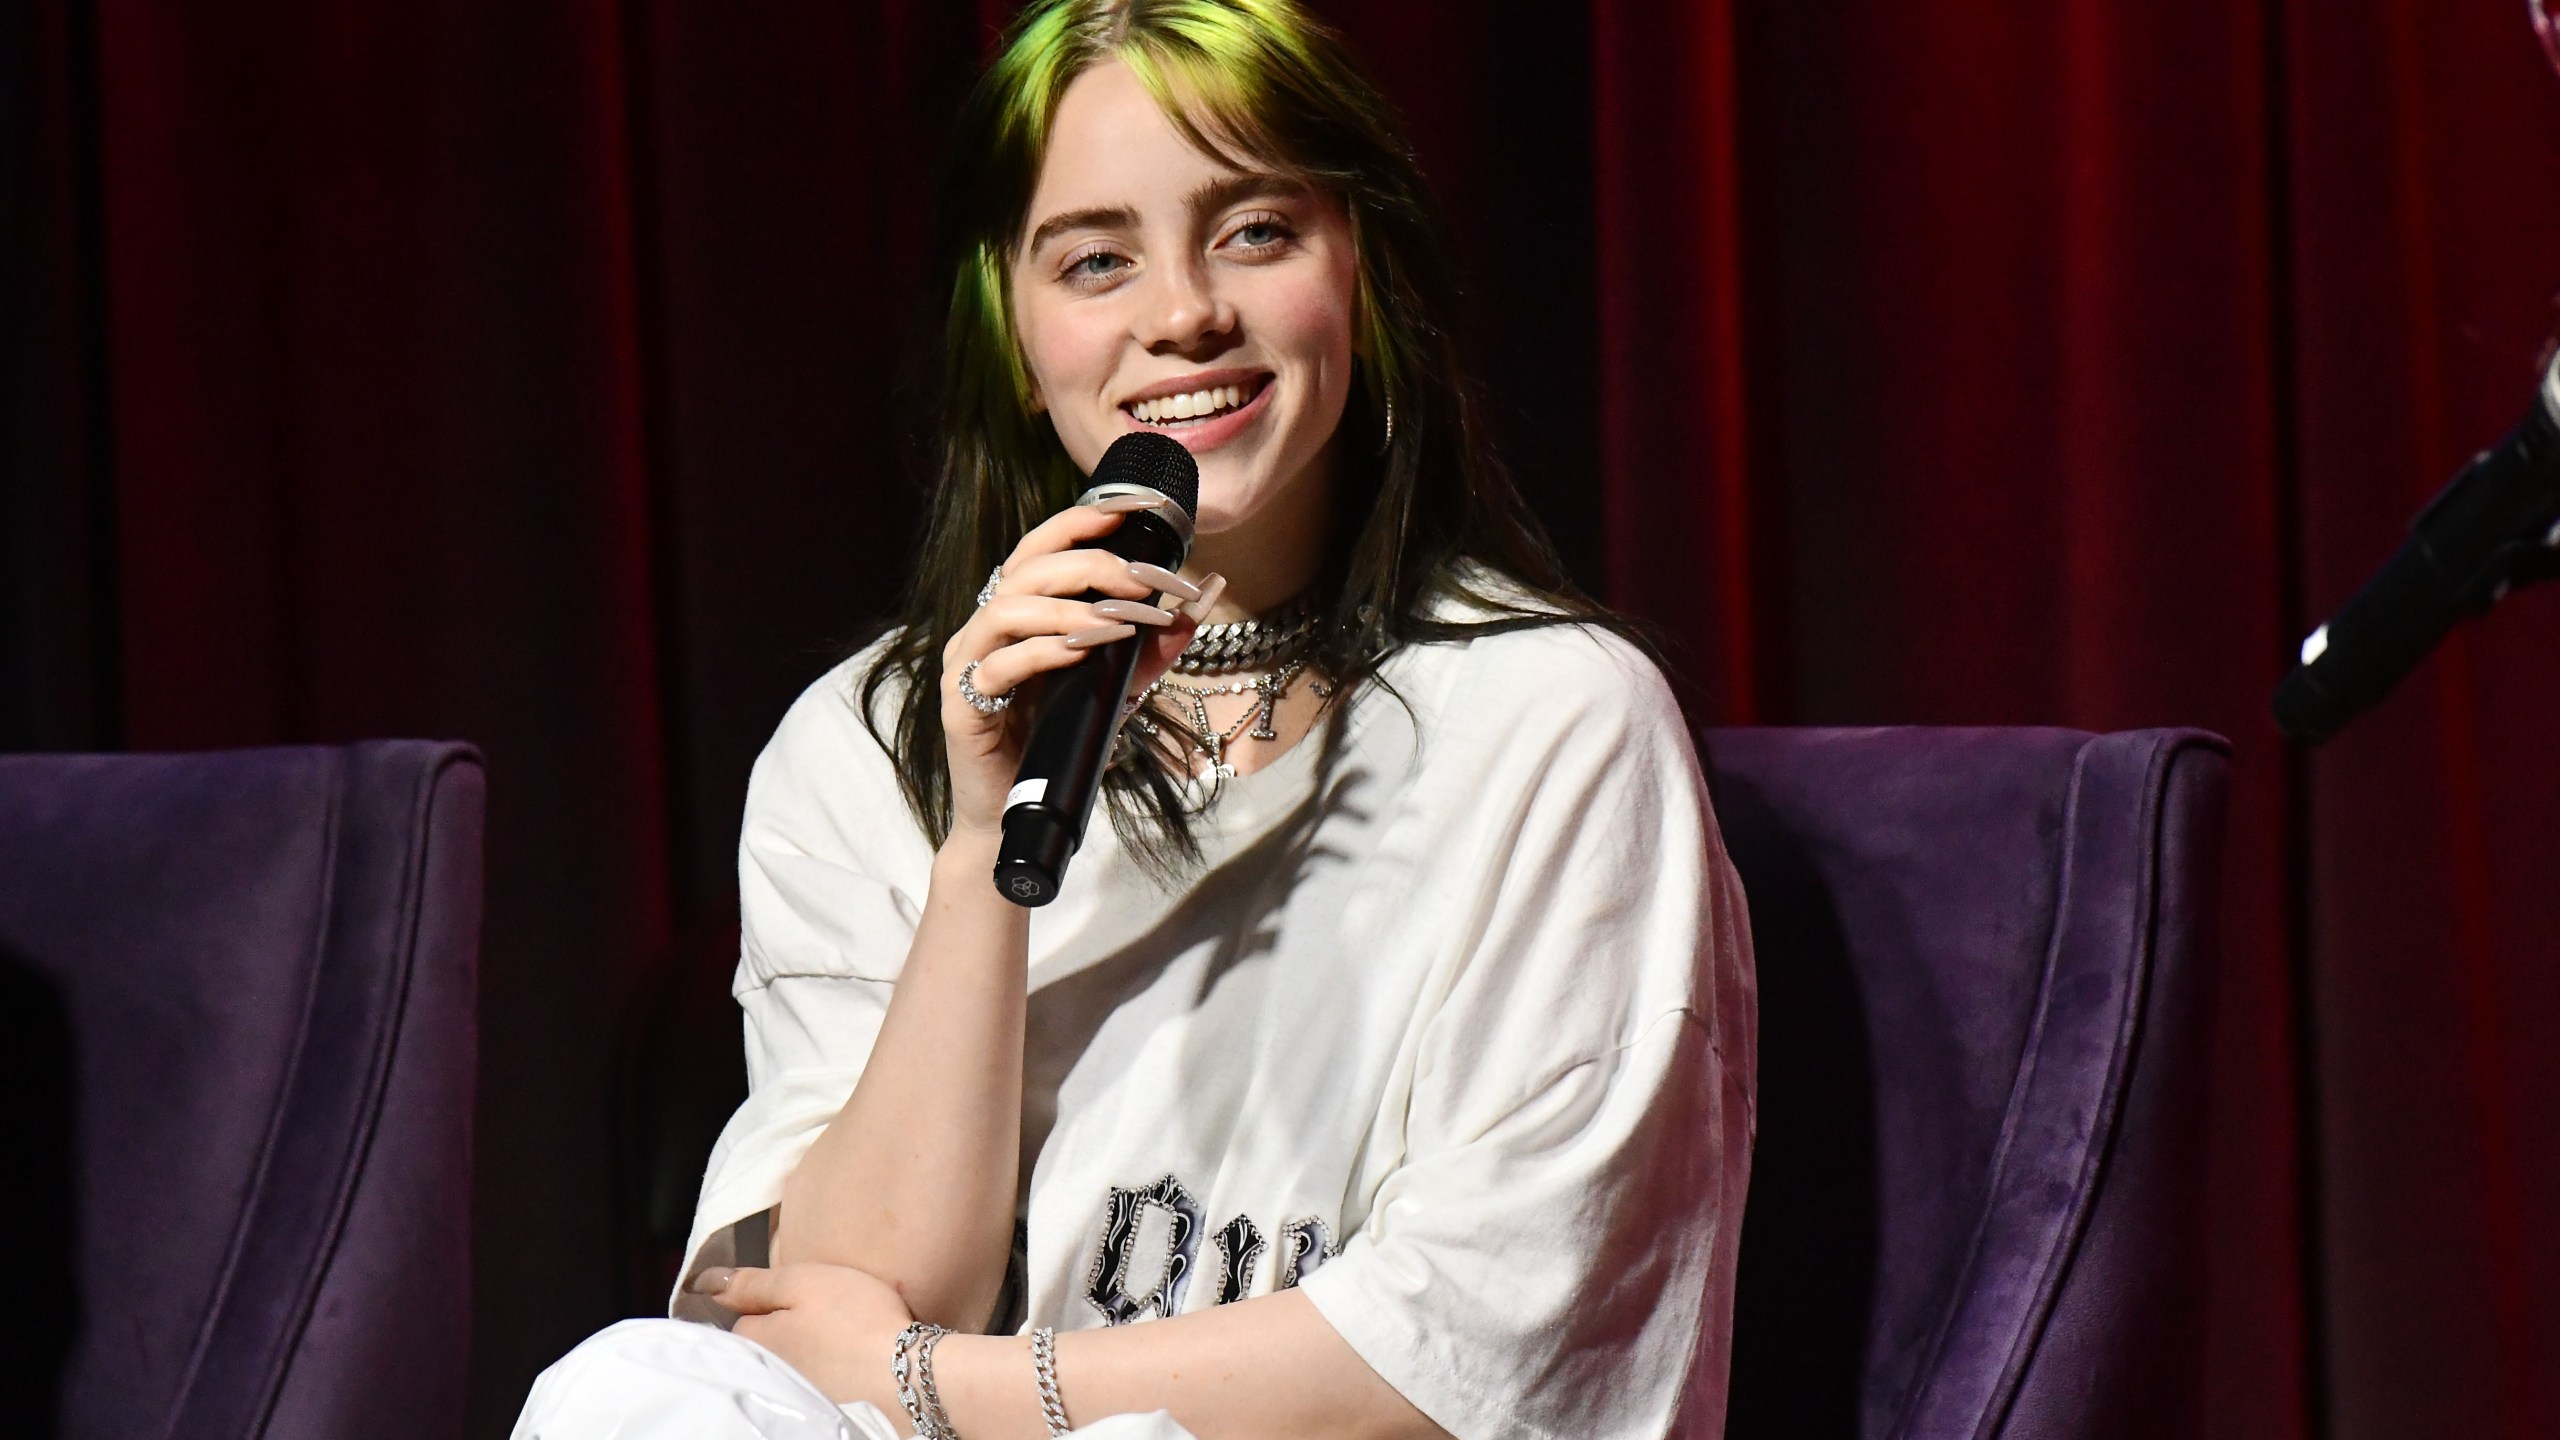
column 1423, row 516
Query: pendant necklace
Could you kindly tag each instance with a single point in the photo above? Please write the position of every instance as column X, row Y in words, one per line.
column 1275, row 643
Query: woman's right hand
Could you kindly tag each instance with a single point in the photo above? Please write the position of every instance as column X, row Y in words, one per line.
column 1034, row 624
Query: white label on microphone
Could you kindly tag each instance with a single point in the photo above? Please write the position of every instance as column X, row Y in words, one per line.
column 1025, row 793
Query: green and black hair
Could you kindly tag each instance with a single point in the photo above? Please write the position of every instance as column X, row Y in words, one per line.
column 1421, row 515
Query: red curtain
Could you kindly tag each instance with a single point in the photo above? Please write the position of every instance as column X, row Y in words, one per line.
column 1959, row 327
column 2425, row 188
column 531, row 374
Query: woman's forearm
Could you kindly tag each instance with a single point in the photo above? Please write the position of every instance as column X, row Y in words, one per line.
column 914, row 1180
column 1267, row 1367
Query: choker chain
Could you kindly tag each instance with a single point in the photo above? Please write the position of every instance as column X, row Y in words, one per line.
column 1262, row 642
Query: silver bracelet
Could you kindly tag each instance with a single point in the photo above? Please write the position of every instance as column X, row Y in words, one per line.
column 932, row 1397
column 1044, row 1369
column 911, row 1365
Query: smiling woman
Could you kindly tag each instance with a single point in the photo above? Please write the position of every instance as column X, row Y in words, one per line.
column 1155, row 200
column 1167, row 289
column 1390, row 1058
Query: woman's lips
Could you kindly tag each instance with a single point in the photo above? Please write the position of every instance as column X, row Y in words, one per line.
column 1217, row 430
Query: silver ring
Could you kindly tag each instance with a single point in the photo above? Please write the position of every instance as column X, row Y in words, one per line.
column 987, row 591
column 983, row 704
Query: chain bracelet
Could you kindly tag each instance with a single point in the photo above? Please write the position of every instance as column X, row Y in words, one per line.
column 907, row 1372
column 1044, row 1369
column 934, row 1414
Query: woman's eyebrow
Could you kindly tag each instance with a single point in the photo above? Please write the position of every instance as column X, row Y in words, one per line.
column 1227, row 190
column 1210, row 196
column 1107, row 217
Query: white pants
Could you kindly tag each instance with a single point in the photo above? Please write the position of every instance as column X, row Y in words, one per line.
column 676, row 1380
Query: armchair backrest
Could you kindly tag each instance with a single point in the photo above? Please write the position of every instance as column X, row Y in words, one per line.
column 238, row 1000
column 1976, row 1199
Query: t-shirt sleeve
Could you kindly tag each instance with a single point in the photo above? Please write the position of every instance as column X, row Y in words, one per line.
column 824, row 927
column 1554, row 1254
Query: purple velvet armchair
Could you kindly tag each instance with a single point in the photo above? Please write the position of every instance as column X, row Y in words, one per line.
column 236, row 1028
column 1976, row 1197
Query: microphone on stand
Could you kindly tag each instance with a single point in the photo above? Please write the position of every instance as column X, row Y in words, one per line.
column 2495, row 527
column 1079, row 707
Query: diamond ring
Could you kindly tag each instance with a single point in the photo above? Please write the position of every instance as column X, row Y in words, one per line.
column 987, row 591
column 983, row 704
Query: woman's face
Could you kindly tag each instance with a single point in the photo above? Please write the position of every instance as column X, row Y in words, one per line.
column 1161, row 289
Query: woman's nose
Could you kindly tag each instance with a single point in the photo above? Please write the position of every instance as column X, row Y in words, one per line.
column 1183, row 310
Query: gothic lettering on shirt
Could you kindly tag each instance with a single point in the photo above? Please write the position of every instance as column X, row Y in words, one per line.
column 1305, row 1245
column 1107, row 1285
column 1239, row 1246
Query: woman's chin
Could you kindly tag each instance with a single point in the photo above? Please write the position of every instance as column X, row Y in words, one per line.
column 1227, row 501
column 1215, row 518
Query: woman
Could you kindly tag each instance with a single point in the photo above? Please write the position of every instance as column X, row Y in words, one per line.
column 1390, row 1052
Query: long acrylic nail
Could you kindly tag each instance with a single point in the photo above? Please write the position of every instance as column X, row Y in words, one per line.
column 1137, row 610
column 1099, row 635
column 712, row 1281
column 1210, row 590
column 1165, row 581
column 1123, row 504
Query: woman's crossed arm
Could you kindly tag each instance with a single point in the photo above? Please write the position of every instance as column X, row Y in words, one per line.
column 1266, row 1367
column 914, row 1179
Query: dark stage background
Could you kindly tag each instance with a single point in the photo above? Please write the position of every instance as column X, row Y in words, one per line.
column 525, row 373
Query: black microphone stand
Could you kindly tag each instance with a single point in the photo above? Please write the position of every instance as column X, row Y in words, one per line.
column 2492, row 530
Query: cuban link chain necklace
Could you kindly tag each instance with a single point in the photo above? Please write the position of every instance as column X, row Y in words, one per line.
column 1275, row 644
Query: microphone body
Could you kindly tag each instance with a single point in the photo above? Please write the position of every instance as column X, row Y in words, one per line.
column 2491, row 528
column 1079, row 707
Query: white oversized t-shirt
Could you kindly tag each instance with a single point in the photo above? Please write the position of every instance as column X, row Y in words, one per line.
column 1455, row 1031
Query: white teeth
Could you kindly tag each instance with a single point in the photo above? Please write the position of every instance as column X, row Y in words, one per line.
column 1188, row 407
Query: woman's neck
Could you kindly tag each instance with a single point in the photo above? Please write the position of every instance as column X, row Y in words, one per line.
column 1273, row 557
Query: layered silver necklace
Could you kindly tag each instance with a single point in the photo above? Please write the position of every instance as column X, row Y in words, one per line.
column 1275, row 644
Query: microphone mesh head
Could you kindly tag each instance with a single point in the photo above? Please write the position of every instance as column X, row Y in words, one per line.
column 1158, row 462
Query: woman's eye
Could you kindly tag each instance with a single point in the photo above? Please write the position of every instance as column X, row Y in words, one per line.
column 1262, row 234
column 1100, row 265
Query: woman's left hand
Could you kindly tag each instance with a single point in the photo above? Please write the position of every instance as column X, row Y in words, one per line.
column 834, row 1324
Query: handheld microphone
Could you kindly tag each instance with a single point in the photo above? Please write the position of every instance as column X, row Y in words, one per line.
column 2496, row 526
column 1079, row 707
